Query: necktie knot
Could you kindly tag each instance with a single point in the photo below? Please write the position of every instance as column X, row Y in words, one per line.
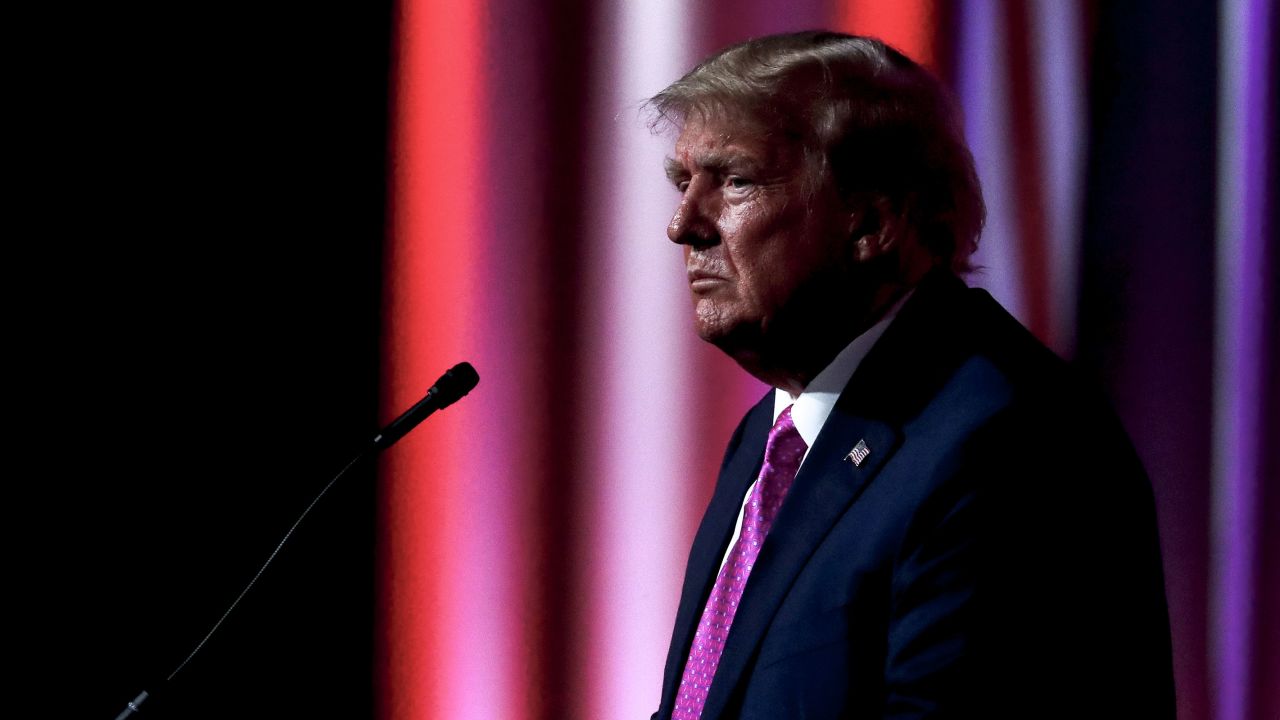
column 782, row 455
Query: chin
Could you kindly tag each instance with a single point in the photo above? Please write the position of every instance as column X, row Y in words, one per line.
column 711, row 333
column 714, row 322
column 745, row 341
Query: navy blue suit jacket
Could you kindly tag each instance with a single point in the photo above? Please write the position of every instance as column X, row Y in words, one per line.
column 994, row 556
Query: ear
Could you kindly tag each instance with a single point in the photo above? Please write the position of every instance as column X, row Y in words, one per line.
column 876, row 229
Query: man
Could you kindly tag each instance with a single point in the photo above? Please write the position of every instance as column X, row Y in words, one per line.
column 928, row 517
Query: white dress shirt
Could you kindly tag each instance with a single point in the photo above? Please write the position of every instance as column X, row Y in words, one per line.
column 811, row 408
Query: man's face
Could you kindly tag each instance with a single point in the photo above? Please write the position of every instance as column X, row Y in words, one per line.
column 760, row 236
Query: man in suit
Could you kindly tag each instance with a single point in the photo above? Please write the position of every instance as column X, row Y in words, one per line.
column 929, row 516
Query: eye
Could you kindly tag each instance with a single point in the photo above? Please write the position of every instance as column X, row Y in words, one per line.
column 682, row 186
column 737, row 182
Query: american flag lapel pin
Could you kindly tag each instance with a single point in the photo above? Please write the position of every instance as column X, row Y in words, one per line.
column 858, row 453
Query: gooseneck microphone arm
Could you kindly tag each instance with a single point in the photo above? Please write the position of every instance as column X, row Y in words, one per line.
column 451, row 387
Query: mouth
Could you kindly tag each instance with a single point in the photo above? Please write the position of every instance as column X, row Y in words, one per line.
column 703, row 281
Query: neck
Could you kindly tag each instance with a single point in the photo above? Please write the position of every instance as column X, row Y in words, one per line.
column 792, row 358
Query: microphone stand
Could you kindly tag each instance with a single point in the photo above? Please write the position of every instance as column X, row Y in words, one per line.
column 451, row 387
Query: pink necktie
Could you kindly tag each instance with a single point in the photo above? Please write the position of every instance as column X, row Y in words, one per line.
column 782, row 455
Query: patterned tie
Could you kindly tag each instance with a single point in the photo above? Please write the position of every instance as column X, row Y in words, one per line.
column 782, row 455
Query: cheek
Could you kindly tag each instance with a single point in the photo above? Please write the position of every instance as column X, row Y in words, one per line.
column 760, row 252
column 768, row 282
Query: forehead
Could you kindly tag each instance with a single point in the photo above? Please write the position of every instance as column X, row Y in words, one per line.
column 716, row 139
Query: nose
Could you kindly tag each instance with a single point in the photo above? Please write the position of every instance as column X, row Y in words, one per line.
column 693, row 222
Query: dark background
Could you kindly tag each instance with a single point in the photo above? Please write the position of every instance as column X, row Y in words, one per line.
column 198, row 293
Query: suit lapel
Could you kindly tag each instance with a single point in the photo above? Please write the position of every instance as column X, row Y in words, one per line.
column 712, row 538
column 825, row 487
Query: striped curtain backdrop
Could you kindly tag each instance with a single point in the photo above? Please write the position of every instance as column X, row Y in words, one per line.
column 532, row 538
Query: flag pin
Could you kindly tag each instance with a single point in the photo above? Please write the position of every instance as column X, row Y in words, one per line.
column 858, row 453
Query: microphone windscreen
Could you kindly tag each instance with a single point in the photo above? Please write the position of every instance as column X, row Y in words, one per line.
column 455, row 383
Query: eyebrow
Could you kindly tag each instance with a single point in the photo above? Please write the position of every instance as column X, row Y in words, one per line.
column 718, row 161
column 675, row 171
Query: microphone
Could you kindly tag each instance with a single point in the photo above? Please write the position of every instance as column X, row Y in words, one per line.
column 450, row 388
column 456, row 382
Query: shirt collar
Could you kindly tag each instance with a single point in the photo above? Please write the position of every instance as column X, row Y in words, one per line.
column 812, row 407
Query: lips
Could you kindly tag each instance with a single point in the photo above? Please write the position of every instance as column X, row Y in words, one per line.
column 701, row 280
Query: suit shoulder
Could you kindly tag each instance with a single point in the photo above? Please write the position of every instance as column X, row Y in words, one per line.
column 1011, row 347
column 1050, row 399
column 1034, row 373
